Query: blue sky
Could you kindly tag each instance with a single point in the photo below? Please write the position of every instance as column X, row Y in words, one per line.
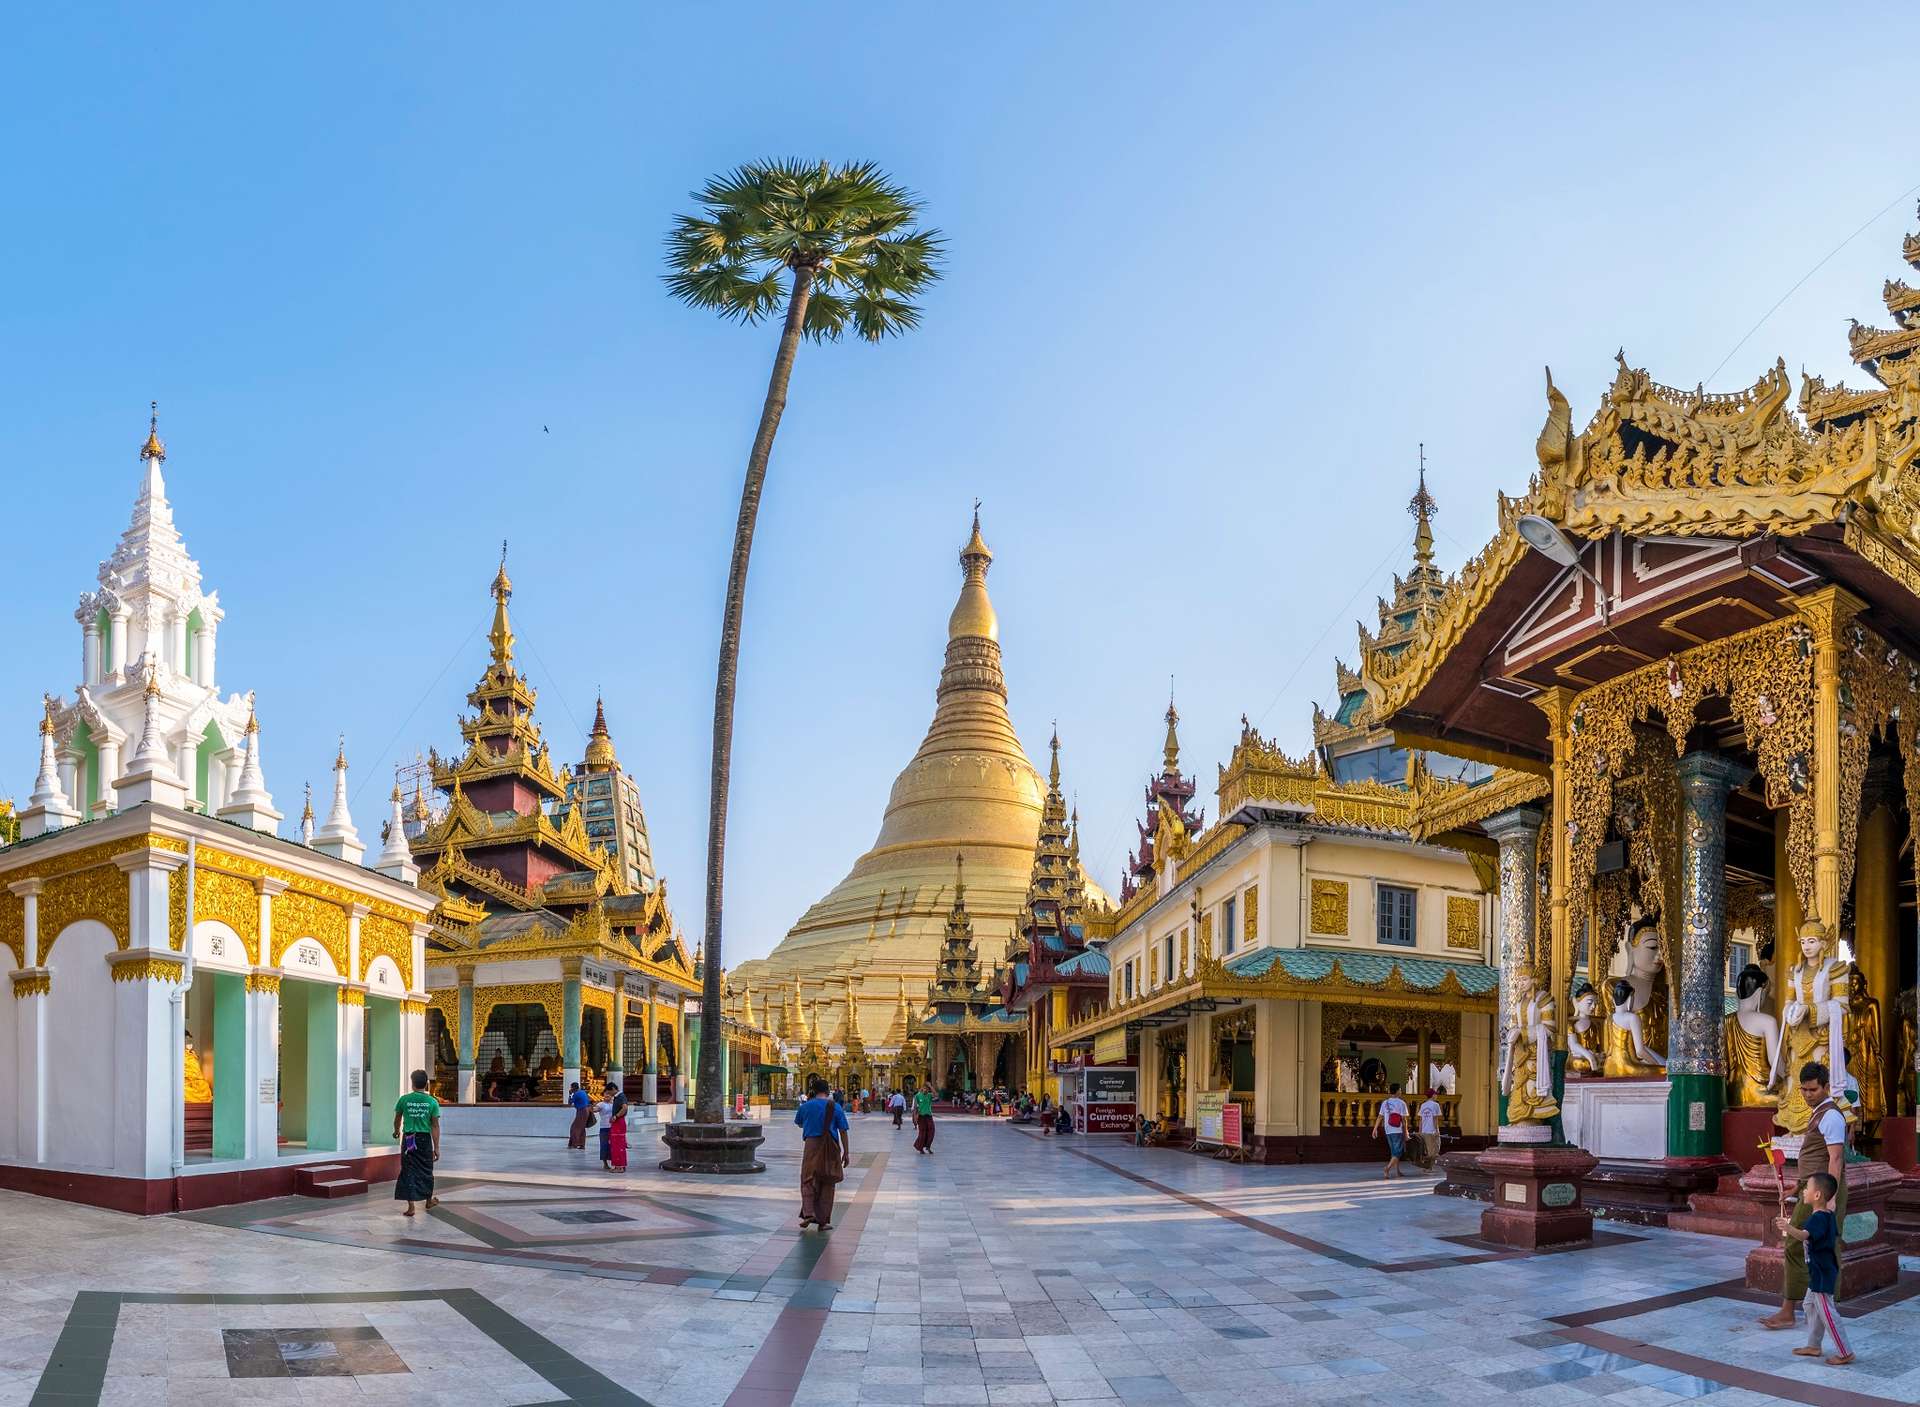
column 1214, row 274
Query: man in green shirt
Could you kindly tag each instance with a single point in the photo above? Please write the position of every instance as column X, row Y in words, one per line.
column 416, row 1123
column 923, row 1121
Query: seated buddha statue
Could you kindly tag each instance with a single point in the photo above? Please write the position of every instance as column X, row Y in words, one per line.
column 1529, row 1043
column 1817, row 1021
column 1753, row 1043
column 194, row 1080
column 1586, row 1037
column 1636, row 1036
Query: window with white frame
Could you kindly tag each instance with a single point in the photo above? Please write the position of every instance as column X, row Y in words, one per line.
column 1394, row 908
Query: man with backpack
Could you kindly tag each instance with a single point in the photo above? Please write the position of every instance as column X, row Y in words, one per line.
column 1392, row 1120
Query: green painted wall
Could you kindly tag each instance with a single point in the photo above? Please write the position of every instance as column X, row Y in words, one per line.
column 293, row 1060
column 383, row 1067
column 194, row 623
column 88, row 780
column 323, row 1065
column 229, row 1065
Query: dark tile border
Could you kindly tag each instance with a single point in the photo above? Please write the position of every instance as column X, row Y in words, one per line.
column 76, row 1373
column 773, row 1377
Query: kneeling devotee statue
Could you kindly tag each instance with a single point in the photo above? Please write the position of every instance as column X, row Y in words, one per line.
column 1529, row 1082
column 1586, row 1037
column 1637, row 1029
column 1753, row 1043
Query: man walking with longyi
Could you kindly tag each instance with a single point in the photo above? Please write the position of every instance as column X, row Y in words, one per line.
column 1823, row 1149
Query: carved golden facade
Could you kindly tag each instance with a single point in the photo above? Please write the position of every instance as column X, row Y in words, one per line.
column 1328, row 908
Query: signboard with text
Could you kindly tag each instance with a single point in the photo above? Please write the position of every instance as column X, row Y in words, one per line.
column 1108, row 1097
column 1209, row 1114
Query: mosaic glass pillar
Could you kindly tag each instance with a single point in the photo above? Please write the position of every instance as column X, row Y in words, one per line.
column 1517, row 832
column 1696, row 1043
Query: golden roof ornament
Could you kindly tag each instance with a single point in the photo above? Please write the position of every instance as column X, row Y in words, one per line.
column 1170, row 758
column 501, row 636
column 153, row 449
column 1422, row 506
column 599, row 740
column 973, row 614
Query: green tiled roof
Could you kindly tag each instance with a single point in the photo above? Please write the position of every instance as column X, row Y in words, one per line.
column 1364, row 969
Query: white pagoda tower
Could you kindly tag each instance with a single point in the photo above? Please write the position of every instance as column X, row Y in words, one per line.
column 147, row 722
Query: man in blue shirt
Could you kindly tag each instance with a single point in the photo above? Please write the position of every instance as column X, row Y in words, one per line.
column 823, row 1131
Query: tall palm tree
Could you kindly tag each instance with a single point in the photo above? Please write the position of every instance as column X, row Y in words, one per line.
column 840, row 246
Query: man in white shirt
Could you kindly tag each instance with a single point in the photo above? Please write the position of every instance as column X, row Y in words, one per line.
column 1392, row 1119
column 898, row 1107
column 1430, row 1115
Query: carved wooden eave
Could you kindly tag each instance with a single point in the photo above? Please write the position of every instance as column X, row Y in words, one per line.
column 1441, row 807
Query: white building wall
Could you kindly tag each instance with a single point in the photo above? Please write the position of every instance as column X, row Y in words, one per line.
column 80, row 1009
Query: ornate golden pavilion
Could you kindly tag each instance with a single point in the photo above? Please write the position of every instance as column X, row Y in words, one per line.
column 554, row 955
column 1694, row 645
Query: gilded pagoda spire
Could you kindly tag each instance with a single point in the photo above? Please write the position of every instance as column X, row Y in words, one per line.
column 973, row 614
column 1170, row 755
column 1423, row 507
column 153, row 448
column 501, row 636
column 600, row 754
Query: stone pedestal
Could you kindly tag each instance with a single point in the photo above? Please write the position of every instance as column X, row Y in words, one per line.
column 713, row 1148
column 1646, row 1192
column 1903, row 1215
column 1462, row 1176
column 1618, row 1118
column 1536, row 1196
column 1865, row 1266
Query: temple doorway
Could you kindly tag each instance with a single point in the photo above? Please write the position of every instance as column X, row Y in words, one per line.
column 515, row 1052
column 1370, row 1058
column 596, row 1046
column 385, row 1080
column 214, row 1081
column 1172, row 1072
column 309, row 1067
column 1232, row 1054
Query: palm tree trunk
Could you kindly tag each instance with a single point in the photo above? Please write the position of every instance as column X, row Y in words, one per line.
column 710, row 1102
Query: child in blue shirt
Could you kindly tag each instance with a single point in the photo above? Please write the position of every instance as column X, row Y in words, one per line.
column 1822, row 1236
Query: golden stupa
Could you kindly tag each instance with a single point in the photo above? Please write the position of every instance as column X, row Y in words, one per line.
column 971, row 791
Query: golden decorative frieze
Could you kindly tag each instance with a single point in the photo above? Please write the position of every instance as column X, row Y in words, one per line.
column 549, row 996
column 150, row 970
column 13, row 925
column 412, row 1007
column 298, row 915
column 1440, row 1023
column 1327, row 908
column 350, row 996
column 1445, row 806
column 35, row 982
column 225, row 898
column 99, row 894
column 1211, row 843
column 383, row 937
column 1250, row 915
column 1463, row 923
column 268, row 982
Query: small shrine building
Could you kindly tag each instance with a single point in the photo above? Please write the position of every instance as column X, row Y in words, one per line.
column 553, row 955
column 234, row 1012
column 1308, row 950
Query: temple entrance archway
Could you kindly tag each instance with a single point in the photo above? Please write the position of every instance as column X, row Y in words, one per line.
column 309, row 1066
column 214, row 1069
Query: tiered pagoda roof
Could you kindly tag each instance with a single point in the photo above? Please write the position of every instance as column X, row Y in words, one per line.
column 1748, row 496
column 1052, row 925
column 1169, row 808
column 957, row 1002
column 510, row 858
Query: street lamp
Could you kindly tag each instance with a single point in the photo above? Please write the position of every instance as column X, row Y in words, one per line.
column 1546, row 538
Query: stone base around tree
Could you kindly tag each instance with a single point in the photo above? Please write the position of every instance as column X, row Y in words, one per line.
column 1536, row 1196
column 713, row 1148
column 1865, row 1266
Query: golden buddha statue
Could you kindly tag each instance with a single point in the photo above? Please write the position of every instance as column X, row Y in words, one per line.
column 194, row 1079
column 1753, row 1043
column 1586, row 1032
column 1637, row 1030
column 1864, row 1052
column 1817, row 1020
column 1529, row 1083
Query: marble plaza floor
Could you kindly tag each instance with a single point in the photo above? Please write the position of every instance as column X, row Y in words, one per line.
column 1008, row 1268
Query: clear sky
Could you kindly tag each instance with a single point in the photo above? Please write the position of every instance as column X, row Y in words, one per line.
column 392, row 273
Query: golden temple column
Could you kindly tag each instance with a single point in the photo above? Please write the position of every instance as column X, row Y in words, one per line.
column 1876, row 939
column 1827, row 614
column 1557, row 704
column 1787, row 914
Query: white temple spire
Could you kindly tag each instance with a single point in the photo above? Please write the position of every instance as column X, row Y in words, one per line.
column 48, row 808
column 306, row 818
column 396, row 860
column 338, row 837
column 252, row 804
column 150, row 776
